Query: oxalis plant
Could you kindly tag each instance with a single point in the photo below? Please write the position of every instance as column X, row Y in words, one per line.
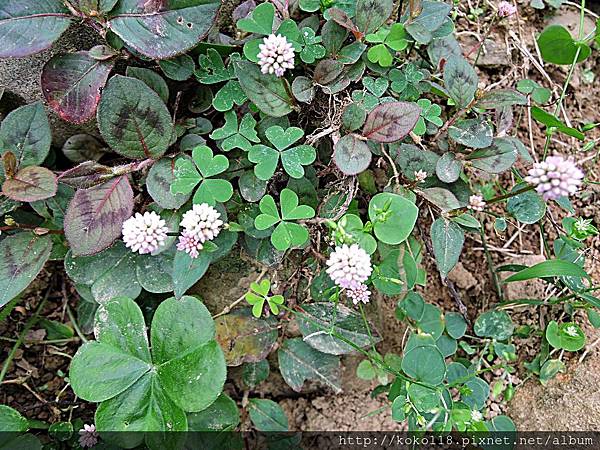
column 348, row 139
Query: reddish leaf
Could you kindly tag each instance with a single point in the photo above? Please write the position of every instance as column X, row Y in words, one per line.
column 343, row 20
column 31, row 184
column 391, row 122
column 72, row 84
column 86, row 175
column 95, row 216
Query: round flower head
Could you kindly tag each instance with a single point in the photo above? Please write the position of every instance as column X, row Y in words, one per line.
column 476, row 203
column 420, row 176
column 189, row 243
column 202, row 222
column 506, row 9
column 349, row 266
column 88, row 437
column 360, row 293
column 144, row 233
column 276, row 55
column 555, row 177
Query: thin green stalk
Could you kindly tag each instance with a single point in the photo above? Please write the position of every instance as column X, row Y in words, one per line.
column 74, row 323
column 364, row 317
column 568, row 80
column 30, row 323
column 490, row 263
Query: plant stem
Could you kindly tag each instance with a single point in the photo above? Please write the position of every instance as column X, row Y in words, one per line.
column 567, row 82
column 490, row 263
column 364, row 317
column 74, row 323
column 30, row 323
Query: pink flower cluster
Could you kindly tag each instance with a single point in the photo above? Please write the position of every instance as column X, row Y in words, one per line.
column 555, row 177
column 144, row 233
column 349, row 267
column 276, row 55
column 506, row 9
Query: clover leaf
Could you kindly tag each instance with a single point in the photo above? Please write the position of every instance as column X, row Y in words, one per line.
column 235, row 134
column 406, row 81
column 293, row 159
column 205, row 166
column 389, row 41
column 147, row 390
column 312, row 48
column 286, row 234
column 430, row 113
column 260, row 21
column 259, row 294
column 212, row 70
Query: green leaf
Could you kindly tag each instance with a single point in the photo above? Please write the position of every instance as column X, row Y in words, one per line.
column 290, row 209
column 371, row 14
column 456, row 326
column 143, row 407
column 31, row 184
column 425, row 364
column 551, row 268
column 109, row 274
column 550, row 369
column 448, row 168
column 299, row 362
column 12, row 421
column 447, row 239
column 287, row 235
column 339, row 318
column 255, row 373
column 179, row 68
column 460, row 80
column 119, row 323
column 100, row 371
column 500, row 98
column 494, row 324
column 528, row 207
column 352, row 155
column 95, row 216
column 49, row 19
column 26, row 133
column 557, row 46
column 260, row 21
column 160, row 31
column 432, row 16
column 245, row 338
column 568, row 336
column 266, row 415
column 268, row 92
column 552, row 121
column 22, row 257
column 431, row 321
column 222, row 415
column 473, row 133
column 179, row 326
column 152, row 79
column 195, row 379
column 187, row 271
column 393, row 216
column 499, row 156
column 391, row 122
column 133, row 120
column 479, row 394
column 159, row 181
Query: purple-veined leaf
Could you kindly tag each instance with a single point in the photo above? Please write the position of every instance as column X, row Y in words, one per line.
column 95, row 7
column 30, row 26
column 86, row 175
column 31, row 184
column 133, row 120
column 22, row 257
column 390, row 122
column 95, row 216
column 26, row 133
column 161, row 29
column 72, row 84
column 352, row 155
